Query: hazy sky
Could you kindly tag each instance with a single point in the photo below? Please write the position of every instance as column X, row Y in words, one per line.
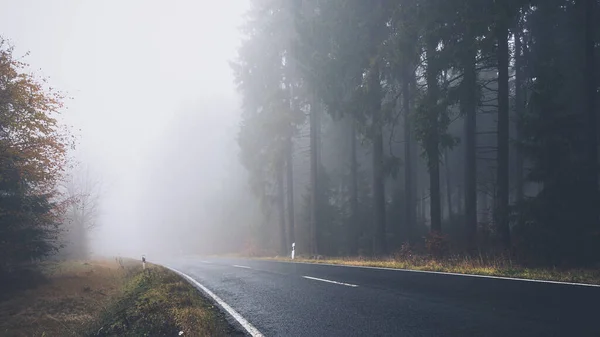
column 133, row 67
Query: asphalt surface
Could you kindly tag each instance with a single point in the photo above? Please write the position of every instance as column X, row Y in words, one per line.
column 295, row 299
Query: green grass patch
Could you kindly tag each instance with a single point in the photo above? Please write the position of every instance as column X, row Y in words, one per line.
column 499, row 266
column 157, row 302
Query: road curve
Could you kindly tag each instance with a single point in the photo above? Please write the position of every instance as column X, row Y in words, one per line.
column 296, row 299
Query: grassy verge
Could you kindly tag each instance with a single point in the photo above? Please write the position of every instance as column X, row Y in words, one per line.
column 467, row 265
column 100, row 298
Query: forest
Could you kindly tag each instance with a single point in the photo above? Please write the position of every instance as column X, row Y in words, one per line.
column 470, row 127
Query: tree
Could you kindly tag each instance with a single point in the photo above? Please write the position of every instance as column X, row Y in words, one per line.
column 83, row 192
column 556, row 136
column 268, row 114
column 409, row 199
column 502, row 221
column 33, row 147
column 329, row 34
column 520, row 103
column 468, row 105
column 591, row 98
column 354, row 210
column 431, row 137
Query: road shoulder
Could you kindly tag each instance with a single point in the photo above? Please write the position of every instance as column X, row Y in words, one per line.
column 103, row 298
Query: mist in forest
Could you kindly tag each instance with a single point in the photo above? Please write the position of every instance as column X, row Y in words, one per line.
column 155, row 111
column 350, row 128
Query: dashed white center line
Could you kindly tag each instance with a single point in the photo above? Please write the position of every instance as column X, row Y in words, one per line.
column 330, row 281
column 238, row 266
column 205, row 262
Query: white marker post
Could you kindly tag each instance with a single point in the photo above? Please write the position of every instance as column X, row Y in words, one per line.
column 144, row 262
column 293, row 250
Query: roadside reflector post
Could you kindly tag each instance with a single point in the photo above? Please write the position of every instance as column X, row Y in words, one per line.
column 293, row 250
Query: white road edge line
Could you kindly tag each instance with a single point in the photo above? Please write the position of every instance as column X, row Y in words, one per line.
column 243, row 322
column 330, row 281
column 238, row 266
column 448, row 273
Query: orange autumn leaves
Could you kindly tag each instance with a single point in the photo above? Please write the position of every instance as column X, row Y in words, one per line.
column 32, row 142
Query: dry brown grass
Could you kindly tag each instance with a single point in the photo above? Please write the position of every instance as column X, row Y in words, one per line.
column 158, row 302
column 487, row 266
column 74, row 294
column 99, row 298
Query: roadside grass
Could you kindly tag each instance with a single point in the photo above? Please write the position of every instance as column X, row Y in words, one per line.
column 488, row 266
column 71, row 294
column 157, row 302
column 99, row 298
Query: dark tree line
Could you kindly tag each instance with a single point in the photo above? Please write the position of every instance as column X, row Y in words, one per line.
column 368, row 124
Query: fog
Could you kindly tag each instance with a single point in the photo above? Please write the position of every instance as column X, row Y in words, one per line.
column 154, row 106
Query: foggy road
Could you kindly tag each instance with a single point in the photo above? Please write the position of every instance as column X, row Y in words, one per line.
column 296, row 299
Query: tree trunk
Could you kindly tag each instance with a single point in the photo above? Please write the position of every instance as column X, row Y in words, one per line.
column 435, row 197
column 448, row 187
column 281, row 208
column 409, row 202
column 502, row 220
column 433, row 138
column 354, row 224
column 592, row 131
column 423, row 203
column 313, row 175
column 519, row 111
column 290, row 193
column 379, row 239
column 469, row 106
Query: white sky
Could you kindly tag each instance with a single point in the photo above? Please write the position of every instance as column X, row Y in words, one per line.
column 131, row 66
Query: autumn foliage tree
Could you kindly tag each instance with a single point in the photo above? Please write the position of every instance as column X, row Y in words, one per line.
column 33, row 156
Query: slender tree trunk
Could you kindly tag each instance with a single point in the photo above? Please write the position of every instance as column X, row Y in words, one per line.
column 461, row 197
column 290, row 147
column 409, row 210
column 379, row 239
column 469, row 106
column 313, row 175
column 448, row 186
column 433, row 138
column 354, row 224
column 423, row 204
column 435, row 197
column 502, row 220
column 519, row 111
column 415, row 158
column 281, row 209
column 290, row 192
column 485, row 207
column 592, row 122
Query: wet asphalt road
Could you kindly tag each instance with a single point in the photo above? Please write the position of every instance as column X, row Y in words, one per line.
column 294, row 299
